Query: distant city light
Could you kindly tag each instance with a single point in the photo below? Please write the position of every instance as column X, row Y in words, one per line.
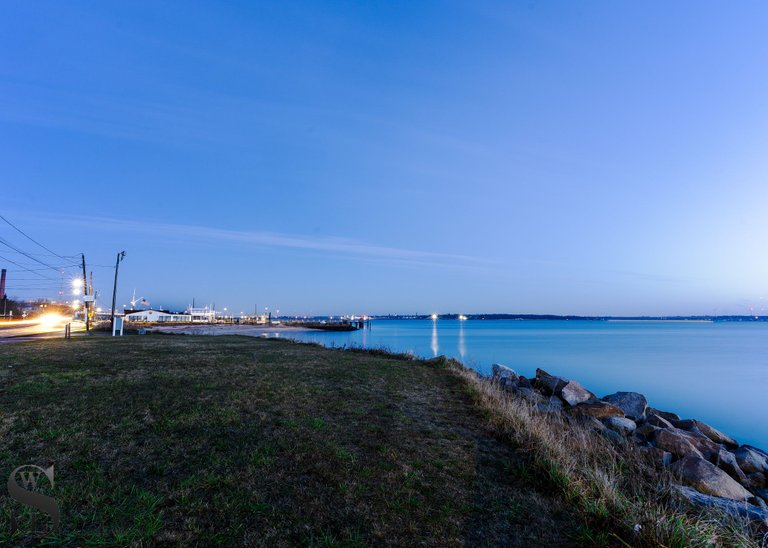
column 434, row 316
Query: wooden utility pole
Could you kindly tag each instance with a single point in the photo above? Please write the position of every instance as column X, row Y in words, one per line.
column 85, row 298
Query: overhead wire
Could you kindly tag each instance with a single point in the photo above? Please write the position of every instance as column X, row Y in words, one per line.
column 44, row 282
column 30, row 237
column 27, row 269
column 5, row 242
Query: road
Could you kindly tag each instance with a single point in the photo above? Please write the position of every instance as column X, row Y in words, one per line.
column 47, row 326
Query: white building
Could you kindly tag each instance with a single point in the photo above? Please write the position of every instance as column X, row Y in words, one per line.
column 205, row 314
column 156, row 316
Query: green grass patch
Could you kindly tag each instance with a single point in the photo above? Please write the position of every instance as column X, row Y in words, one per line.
column 232, row 440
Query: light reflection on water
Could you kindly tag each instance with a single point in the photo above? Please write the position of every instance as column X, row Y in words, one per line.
column 435, row 346
column 716, row 372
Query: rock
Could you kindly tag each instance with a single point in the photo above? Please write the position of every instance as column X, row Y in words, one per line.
column 528, row 394
column 741, row 509
column 523, row 382
column 676, row 442
column 657, row 456
column 707, row 478
column 552, row 405
column 613, row 436
column 757, row 450
column 763, row 494
column 640, row 441
column 573, row 393
column 708, row 431
column 549, row 384
column 632, row 403
column 658, row 421
column 709, row 449
column 600, row 410
column 666, row 415
column 757, row 501
column 621, row 425
column 755, row 481
column 503, row 372
column 726, row 461
column 507, row 384
column 647, row 431
column 751, row 459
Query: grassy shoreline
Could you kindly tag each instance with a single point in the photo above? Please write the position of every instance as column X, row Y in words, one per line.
column 235, row 440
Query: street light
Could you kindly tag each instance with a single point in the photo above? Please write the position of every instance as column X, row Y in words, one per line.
column 120, row 257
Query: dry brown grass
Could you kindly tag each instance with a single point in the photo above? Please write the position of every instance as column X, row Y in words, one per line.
column 621, row 496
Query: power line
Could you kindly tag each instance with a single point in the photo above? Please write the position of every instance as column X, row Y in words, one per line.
column 5, row 242
column 29, row 237
column 66, row 257
column 29, row 270
column 25, row 269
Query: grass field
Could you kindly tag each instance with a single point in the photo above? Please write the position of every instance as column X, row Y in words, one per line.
column 233, row 440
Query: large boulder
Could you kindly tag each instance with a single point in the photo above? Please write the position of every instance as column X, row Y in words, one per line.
column 613, row 436
column 549, row 384
column 573, row 393
column 666, row 415
column 622, row 425
column 529, row 394
column 751, row 459
column 524, row 382
column 647, row 431
column 707, row 478
column 632, row 403
column 503, row 372
column 755, row 481
column 709, row 449
column 599, row 410
column 712, row 433
column 551, row 405
column 726, row 461
column 676, row 442
column 740, row 509
column 658, row 421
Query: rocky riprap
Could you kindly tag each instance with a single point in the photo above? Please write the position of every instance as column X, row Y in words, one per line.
column 712, row 468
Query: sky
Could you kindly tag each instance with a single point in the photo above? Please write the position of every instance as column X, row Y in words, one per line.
column 390, row 157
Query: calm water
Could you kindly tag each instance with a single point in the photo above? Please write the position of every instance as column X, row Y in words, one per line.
column 715, row 372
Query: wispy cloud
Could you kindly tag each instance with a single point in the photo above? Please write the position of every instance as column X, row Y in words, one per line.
column 394, row 256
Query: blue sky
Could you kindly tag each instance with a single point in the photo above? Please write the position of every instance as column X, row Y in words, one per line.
column 347, row 157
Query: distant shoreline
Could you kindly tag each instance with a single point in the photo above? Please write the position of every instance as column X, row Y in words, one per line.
column 541, row 317
column 664, row 321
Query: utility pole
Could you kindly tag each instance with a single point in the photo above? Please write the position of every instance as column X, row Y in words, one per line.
column 85, row 298
column 120, row 257
column 2, row 292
